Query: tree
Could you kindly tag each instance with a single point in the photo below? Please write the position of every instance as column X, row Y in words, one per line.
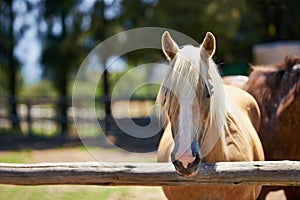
column 8, row 63
column 193, row 18
column 102, row 27
column 279, row 20
column 62, row 52
column 237, row 25
column 99, row 32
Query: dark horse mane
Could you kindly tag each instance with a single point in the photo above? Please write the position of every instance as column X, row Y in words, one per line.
column 278, row 83
column 288, row 63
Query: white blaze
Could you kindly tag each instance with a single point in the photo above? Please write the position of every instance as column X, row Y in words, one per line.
column 185, row 133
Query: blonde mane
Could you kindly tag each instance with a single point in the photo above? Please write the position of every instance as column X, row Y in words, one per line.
column 188, row 70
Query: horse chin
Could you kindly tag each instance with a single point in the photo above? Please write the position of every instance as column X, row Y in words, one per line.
column 187, row 174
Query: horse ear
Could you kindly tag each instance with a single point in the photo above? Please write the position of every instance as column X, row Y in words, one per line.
column 208, row 45
column 251, row 68
column 169, row 46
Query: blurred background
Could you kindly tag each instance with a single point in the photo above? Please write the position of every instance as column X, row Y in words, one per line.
column 43, row 43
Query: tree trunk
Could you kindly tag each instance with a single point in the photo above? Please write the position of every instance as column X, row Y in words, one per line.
column 15, row 123
column 63, row 102
column 107, row 100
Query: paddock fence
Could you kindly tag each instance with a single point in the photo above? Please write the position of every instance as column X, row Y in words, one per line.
column 46, row 111
column 275, row 173
column 40, row 118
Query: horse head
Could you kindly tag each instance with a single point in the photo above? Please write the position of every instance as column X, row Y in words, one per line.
column 188, row 98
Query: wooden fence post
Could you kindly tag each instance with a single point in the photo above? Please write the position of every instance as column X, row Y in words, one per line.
column 29, row 119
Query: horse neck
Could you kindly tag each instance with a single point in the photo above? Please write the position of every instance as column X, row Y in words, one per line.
column 217, row 124
column 217, row 154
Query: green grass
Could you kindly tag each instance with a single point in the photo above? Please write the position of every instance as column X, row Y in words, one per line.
column 75, row 192
column 60, row 192
column 23, row 156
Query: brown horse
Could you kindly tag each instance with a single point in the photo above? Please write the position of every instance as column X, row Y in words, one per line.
column 205, row 121
column 276, row 88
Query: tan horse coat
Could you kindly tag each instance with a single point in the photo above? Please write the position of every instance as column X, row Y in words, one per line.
column 243, row 144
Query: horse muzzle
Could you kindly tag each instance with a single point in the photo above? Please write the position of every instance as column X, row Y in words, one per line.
column 190, row 170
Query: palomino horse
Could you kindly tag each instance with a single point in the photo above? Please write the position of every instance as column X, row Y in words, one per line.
column 236, row 80
column 276, row 88
column 205, row 121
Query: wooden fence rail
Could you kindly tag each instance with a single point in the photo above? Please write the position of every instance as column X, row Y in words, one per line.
column 285, row 173
column 26, row 114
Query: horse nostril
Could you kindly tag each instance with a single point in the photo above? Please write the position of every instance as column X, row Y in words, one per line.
column 177, row 163
column 190, row 170
column 186, row 161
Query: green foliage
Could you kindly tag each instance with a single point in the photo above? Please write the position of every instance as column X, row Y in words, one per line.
column 237, row 25
column 8, row 62
column 62, row 53
column 44, row 88
column 4, row 90
column 70, row 32
column 148, row 90
column 279, row 19
column 194, row 18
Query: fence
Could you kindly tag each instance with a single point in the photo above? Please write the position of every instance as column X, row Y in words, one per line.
column 31, row 111
column 41, row 117
column 276, row 173
column 47, row 110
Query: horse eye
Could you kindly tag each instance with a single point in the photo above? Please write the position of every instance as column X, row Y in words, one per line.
column 208, row 93
column 209, row 90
